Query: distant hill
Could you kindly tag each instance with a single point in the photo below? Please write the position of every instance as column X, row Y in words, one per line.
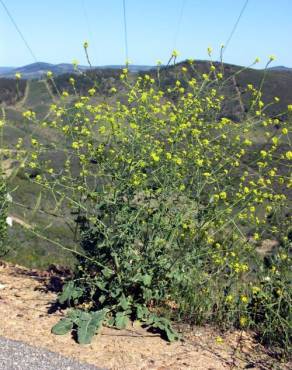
column 278, row 82
column 281, row 68
column 39, row 69
column 6, row 69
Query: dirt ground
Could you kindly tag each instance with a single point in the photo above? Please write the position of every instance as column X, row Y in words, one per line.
column 24, row 305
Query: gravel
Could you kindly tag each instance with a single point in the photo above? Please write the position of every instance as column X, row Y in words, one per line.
column 16, row 355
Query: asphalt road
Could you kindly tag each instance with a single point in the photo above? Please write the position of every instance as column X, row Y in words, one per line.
column 16, row 355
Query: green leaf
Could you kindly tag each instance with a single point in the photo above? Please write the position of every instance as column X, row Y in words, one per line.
column 107, row 273
column 171, row 334
column 142, row 312
column 124, row 303
column 163, row 325
column 111, row 321
column 70, row 292
column 74, row 315
column 88, row 326
column 147, row 280
column 62, row 327
column 121, row 320
column 102, row 298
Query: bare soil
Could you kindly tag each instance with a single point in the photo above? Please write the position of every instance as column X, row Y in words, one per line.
column 25, row 301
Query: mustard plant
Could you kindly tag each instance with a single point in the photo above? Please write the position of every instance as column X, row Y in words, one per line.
column 172, row 200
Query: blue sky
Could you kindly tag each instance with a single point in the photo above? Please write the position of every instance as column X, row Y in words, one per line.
column 56, row 29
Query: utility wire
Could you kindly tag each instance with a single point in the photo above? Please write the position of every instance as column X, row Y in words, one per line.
column 86, row 17
column 18, row 30
column 180, row 17
column 235, row 26
column 125, row 31
column 85, row 13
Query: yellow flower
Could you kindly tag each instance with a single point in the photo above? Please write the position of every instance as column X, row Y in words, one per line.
column 219, row 340
column 284, row 131
column 256, row 289
column 75, row 145
column 223, row 195
column 289, row 107
column 18, row 76
column 247, row 142
column 272, row 57
column 28, row 114
column 175, row 54
column 154, row 156
column 256, row 236
column 289, row 155
column 85, row 44
column 91, row 92
column 229, row 298
column 246, row 190
column 243, row 321
column 49, row 74
column 168, row 155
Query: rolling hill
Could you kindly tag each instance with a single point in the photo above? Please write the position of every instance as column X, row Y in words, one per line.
column 39, row 69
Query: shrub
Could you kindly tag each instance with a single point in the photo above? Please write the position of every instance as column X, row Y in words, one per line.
column 172, row 201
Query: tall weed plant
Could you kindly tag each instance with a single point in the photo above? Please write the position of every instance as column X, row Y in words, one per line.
column 173, row 202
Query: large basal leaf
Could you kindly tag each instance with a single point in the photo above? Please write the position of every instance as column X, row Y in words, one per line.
column 124, row 303
column 171, row 334
column 142, row 312
column 70, row 292
column 89, row 325
column 121, row 320
column 62, row 327
column 163, row 325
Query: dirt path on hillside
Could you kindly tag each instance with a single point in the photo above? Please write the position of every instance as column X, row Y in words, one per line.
column 24, row 305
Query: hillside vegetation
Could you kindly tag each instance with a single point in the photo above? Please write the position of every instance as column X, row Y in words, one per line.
column 11, row 90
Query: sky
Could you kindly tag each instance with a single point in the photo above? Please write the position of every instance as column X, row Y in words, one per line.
column 56, row 29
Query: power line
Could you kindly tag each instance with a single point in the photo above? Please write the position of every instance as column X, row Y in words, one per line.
column 86, row 17
column 87, row 21
column 235, row 26
column 125, row 31
column 19, row 31
column 180, row 17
